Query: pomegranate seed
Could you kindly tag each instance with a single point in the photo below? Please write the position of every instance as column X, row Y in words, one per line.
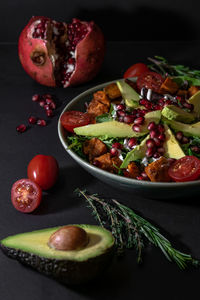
column 41, row 122
column 185, row 140
column 153, row 134
column 32, row 120
column 140, row 178
column 161, row 150
column 49, row 113
column 161, row 128
column 161, row 137
column 36, row 98
column 161, row 101
column 42, row 103
column 132, row 142
column 152, row 126
column 148, row 105
column 47, row 96
column 179, row 135
column 157, row 107
column 46, row 107
column 136, row 128
column 139, row 121
column 150, row 143
column 21, row 128
column 121, row 113
column 51, row 103
column 121, row 119
column 117, row 145
column 156, row 155
column 168, row 102
column 114, row 152
column 157, row 142
column 195, row 149
column 150, row 152
column 144, row 175
column 187, row 105
column 96, row 163
column 120, row 107
column 128, row 119
column 143, row 102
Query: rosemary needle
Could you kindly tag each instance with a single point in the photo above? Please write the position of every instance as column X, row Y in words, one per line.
column 131, row 230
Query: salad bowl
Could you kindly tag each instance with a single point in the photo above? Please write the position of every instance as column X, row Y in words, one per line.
column 148, row 189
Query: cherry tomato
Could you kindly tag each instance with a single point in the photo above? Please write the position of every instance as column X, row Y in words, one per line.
column 136, row 70
column 186, row 168
column 150, row 80
column 72, row 119
column 26, row 195
column 43, row 170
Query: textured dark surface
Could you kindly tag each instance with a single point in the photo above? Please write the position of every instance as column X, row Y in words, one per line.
column 179, row 219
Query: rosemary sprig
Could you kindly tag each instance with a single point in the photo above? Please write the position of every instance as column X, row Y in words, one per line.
column 131, row 230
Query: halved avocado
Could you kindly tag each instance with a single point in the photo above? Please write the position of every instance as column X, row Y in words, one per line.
column 69, row 267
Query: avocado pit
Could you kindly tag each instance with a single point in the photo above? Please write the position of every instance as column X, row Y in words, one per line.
column 68, row 238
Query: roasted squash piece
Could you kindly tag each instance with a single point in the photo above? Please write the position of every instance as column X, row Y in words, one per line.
column 99, row 105
column 133, row 170
column 168, row 87
column 112, row 91
column 157, row 171
column 108, row 163
column 193, row 90
column 93, row 148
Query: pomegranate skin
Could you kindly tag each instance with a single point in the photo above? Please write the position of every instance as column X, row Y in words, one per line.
column 89, row 55
column 37, row 55
column 27, row 46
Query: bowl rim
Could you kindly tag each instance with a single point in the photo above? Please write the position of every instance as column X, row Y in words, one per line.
column 122, row 179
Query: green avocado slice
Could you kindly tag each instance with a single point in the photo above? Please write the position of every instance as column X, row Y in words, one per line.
column 130, row 96
column 187, row 129
column 173, row 112
column 195, row 100
column 171, row 146
column 117, row 129
column 70, row 267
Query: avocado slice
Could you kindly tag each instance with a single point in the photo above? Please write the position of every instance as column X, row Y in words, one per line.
column 137, row 153
column 187, row 129
column 173, row 112
column 70, row 267
column 117, row 129
column 195, row 100
column 172, row 148
column 130, row 96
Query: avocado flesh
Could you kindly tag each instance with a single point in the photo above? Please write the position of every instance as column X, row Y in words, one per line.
column 173, row 112
column 114, row 129
column 137, row 153
column 187, row 129
column 195, row 100
column 70, row 267
column 172, row 148
column 130, row 96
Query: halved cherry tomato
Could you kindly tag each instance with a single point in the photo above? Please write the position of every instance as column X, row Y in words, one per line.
column 136, row 70
column 43, row 169
column 150, row 80
column 26, row 195
column 72, row 119
column 186, row 168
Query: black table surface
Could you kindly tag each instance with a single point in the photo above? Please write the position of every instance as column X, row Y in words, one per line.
column 178, row 219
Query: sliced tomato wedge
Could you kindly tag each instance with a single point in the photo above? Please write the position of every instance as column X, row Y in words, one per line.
column 26, row 195
column 184, row 169
column 72, row 119
column 150, row 80
column 136, row 70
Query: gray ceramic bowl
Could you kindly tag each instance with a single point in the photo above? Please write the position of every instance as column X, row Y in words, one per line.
column 148, row 189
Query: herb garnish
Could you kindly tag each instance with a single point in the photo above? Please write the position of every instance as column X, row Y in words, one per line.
column 130, row 230
column 181, row 74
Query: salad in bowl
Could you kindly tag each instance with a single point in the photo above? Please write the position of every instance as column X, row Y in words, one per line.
column 145, row 128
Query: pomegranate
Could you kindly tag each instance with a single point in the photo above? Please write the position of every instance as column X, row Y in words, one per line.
column 59, row 54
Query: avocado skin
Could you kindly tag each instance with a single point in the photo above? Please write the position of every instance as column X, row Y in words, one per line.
column 65, row 271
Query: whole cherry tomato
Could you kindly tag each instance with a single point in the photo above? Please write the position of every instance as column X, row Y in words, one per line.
column 43, row 169
column 136, row 70
column 26, row 195
column 186, row 168
column 73, row 119
column 150, row 80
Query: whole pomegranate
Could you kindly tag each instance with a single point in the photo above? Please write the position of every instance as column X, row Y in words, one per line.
column 59, row 54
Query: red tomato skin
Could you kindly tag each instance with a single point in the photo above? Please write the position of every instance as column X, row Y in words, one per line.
column 185, row 169
column 37, row 196
column 72, row 119
column 150, row 80
column 136, row 70
column 44, row 170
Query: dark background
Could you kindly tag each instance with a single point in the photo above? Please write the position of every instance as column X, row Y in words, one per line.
column 120, row 20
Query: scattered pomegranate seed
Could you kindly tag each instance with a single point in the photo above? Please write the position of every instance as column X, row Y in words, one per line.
column 117, row 145
column 179, row 135
column 49, row 113
column 41, row 122
column 161, row 150
column 139, row 121
column 150, row 152
column 36, row 98
column 161, row 128
column 195, row 149
column 96, row 163
column 152, row 126
column 144, row 175
column 161, row 137
column 153, row 134
column 150, row 143
column 128, row 119
column 46, row 107
column 132, row 142
column 47, row 96
column 51, row 103
column 120, row 107
column 185, row 140
column 42, row 103
column 140, row 177
column 21, row 128
column 136, row 128
column 121, row 113
column 114, row 152
column 158, row 142
column 32, row 120
column 156, row 155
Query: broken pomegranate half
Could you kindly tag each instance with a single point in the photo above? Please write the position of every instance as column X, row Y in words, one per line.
column 59, row 54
